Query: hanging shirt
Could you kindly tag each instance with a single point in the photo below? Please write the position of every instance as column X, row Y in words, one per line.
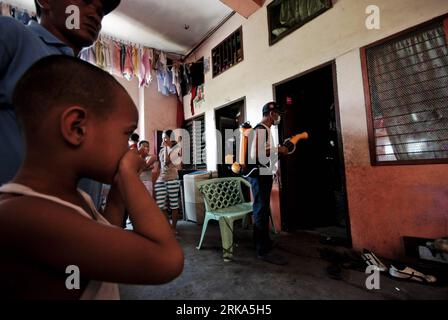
column 146, row 67
column 108, row 51
column 128, row 71
column 176, row 80
column 116, row 56
column 169, row 82
column 99, row 54
column 5, row 9
column 122, row 58
column 20, row 47
column 135, row 61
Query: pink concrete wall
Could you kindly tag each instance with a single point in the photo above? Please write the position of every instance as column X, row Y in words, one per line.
column 160, row 111
column 387, row 203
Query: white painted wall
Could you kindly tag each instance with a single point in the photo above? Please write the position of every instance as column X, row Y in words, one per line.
column 386, row 203
column 336, row 35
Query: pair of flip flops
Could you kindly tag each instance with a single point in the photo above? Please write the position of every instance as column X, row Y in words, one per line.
column 407, row 273
column 404, row 272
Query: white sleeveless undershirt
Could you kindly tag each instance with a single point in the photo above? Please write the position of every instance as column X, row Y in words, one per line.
column 95, row 290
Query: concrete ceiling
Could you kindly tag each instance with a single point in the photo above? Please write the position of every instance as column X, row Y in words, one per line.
column 169, row 25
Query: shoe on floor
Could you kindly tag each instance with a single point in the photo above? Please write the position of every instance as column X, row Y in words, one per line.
column 273, row 258
column 408, row 273
column 441, row 244
column 372, row 260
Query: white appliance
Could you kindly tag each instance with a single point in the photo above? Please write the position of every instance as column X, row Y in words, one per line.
column 194, row 201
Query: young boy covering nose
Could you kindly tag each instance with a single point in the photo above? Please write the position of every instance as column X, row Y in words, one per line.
column 76, row 120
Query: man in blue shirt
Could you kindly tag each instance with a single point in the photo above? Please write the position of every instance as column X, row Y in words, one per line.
column 21, row 46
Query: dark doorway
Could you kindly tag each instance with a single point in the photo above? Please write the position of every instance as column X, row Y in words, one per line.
column 231, row 117
column 313, row 193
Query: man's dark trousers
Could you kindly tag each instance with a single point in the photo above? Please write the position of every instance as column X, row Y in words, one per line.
column 261, row 192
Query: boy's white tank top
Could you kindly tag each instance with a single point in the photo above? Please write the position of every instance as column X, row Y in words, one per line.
column 95, row 290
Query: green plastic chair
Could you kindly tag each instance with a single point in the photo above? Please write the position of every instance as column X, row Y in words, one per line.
column 225, row 203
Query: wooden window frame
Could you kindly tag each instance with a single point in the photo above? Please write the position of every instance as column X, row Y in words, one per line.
column 220, row 47
column 273, row 40
column 368, row 101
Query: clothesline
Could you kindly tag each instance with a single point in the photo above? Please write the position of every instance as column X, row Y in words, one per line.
column 25, row 15
column 127, row 59
column 130, row 61
column 138, row 45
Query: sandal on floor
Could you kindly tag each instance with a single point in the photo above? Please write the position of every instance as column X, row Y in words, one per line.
column 372, row 260
column 408, row 273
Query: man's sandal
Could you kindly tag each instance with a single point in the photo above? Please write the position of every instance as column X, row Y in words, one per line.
column 408, row 273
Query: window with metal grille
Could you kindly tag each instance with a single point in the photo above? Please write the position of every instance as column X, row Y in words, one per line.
column 196, row 131
column 286, row 16
column 406, row 82
column 228, row 53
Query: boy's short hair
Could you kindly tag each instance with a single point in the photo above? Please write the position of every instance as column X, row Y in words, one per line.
column 142, row 142
column 134, row 137
column 169, row 133
column 60, row 81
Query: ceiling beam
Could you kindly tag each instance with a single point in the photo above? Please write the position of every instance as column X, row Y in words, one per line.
column 245, row 8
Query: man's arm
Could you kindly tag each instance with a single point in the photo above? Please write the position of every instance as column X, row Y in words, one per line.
column 164, row 155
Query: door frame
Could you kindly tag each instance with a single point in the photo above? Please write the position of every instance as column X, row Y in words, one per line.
column 242, row 99
column 215, row 110
column 342, row 169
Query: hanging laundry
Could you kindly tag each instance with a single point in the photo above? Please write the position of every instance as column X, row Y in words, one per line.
column 186, row 78
column 108, row 48
column 162, row 75
column 5, row 9
column 122, row 58
column 161, row 83
column 135, row 60
column 169, row 82
column 19, row 14
column 155, row 61
column 141, row 67
column 116, row 57
column 193, row 96
column 128, row 71
column 145, row 76
column 83, row 54
column 176, row 80
column 162, row 61
column 88, row 54
column 99, row 54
